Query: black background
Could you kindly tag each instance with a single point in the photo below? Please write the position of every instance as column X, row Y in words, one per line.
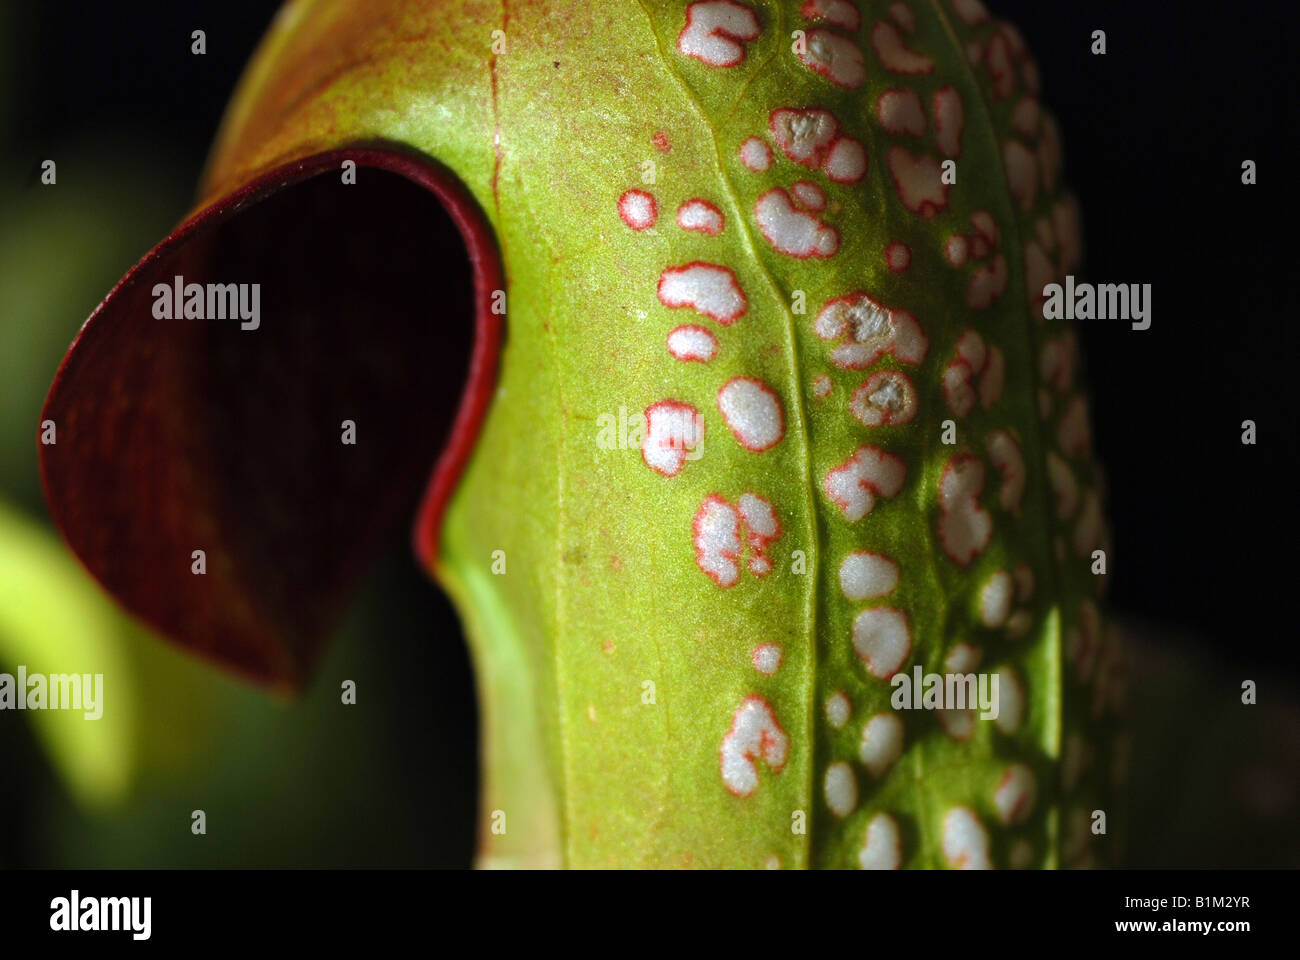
column 1155, row 134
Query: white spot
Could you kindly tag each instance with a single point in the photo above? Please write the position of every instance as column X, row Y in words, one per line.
column 791, row 231
column 1072, row 432
column 958, row 724
column 882, row 640
column 716, row 32
column 998, row 59
column 1015, row 794
column 918, row 180
column 898, row 256
column 993, row 379
column 772, row 863
column 841, row 13
column 808, row 195
column 995, row 599
column 882, row 743
column 689, row 342
column 1063, row 484
column 716, row 530
column 963, row 658
column 752, row 413
column 767, row 658
column 883, row 849
column 949, row 119
column 893, row 52
column 900, row 112
column 1087, row 534
column 821, row 386
column 834, row 57
column 1022, row 173
column 756, row 155
column 869, row 472
column 804, row 136
column 965, row 527
column 1025, row 119
column 871, row 330
column 887, row 397
column 865, row 575
column 1004, row 454
column 985, row 226
column 673, row 431
column 838, row 709
column 903, row 16
column 965, row 841
column 956, row 250
column 987, row 284
column 847, row 161
column 755, row 734
column 972, row 12
column 1011, row 702
column 841, row 789
column 705, row 287
column 1019, row 624
column 760, row 519
column 638, row 210
column 700, row 216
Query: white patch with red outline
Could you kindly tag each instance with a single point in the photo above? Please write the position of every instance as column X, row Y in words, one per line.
column 996, row 597
column 869, row 330
column 1061, row 479
column 838, row 709
column 716, row 32
column 887, row 398
column 700, row 216
column 965, row 841
column 839, row 13
column 804, row 136
column 867, row 576
column 882, row 640
column 900, row 112
column 1011, row 702
column 792, row 231
column 808, row 195
column 919, row 182
column 1072, row 432
column 893, row 53
column 847, row 161
column 1024, row 576
column 752, row 411
column 988, row 284
column 691, row 343
column 956, row 250
column 898, row 256
column 870, row 472
column 835, row 57
column 821, row 386
column 707, row 288
column 1021, row 167
column 963, row 658
column 755, row 735
column 766, row 658
column 673, row 432
column 1024, row 118
column 949, row 121
column 964, row 526
column 1014, row 796
column 638, row 209
column 882, row 743
column 1009, row 462
column 883, row 847
column 971, row 12
column 997, row 57
column 903, row 16
column 723, row 533
column 840, row 788
column 756, row 155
